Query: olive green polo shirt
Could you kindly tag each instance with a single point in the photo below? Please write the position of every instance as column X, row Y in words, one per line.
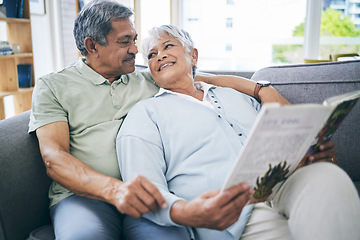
column 93, row 107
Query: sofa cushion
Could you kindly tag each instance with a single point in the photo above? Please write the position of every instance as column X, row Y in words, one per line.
column 43, row 233
column 312, row 83
column 24, row 183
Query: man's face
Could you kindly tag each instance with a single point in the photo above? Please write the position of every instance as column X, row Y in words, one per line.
column 118, row 56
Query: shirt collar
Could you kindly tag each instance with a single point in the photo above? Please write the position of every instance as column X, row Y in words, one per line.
column 95, row 77
column 199, row 85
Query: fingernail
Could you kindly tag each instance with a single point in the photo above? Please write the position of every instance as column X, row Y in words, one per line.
column 164, row 205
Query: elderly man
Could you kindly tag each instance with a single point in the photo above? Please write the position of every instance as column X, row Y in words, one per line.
column 76, row 114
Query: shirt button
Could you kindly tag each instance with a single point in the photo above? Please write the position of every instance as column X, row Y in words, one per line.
column 219, row 107
column 219, row 116
column 231, row 125
column 212, row 96
column 215, row 101
column 240, row 134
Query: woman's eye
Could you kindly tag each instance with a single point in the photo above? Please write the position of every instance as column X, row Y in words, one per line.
column 151, row 55
column 168, row 45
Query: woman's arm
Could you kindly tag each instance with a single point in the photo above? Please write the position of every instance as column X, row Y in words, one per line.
column 244, row 85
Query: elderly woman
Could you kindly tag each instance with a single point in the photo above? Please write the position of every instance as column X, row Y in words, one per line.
column 186, row 139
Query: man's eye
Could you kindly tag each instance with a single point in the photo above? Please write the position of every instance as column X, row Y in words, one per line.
column 125, row 43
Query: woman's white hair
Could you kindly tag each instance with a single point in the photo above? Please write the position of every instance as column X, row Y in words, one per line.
column 175, row 32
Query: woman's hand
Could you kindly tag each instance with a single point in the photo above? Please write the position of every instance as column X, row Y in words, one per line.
column 327, row 153
column 213, row 209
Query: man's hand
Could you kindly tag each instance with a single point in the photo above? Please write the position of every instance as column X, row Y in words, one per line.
column 244, row 85
column 213, row 209
column 137, row 197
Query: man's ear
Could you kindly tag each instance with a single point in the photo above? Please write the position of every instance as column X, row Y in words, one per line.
column 90, row 45
column 194, row 56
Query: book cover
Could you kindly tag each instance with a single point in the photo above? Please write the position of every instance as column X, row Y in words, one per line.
column 11, row 8
column 280, row 138
column 20, row 9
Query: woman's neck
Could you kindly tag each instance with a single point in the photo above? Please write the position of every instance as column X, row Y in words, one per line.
column 190, row 90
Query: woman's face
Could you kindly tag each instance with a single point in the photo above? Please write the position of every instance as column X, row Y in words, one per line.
column 169, row 62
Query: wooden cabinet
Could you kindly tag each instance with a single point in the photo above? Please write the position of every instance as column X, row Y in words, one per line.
column 19, row 33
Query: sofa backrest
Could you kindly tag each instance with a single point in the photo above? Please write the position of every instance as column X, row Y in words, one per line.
column 312, row 83
column 24, row 184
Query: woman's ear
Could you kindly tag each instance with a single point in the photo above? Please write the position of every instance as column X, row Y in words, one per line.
column 194, row 56
column 90, row 45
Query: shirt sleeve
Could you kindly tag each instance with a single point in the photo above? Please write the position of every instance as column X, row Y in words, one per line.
column 140, row 152
column 45, row 107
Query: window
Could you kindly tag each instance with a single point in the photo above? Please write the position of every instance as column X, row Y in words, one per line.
column 256, row 34
column 339, row 31
column 238, row 35
column 229, row 22
column 228, row 47
column 230, row 2
column 147, row 16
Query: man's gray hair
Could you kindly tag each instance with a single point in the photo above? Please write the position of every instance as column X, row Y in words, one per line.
column 94, row 20
column 175, row 32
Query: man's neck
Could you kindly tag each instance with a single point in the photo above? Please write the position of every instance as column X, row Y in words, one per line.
column 109, row 77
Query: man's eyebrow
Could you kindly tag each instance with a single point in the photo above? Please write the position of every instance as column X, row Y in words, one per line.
column 128, row 37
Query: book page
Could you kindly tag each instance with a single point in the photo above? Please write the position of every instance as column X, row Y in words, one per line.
column 280, row 134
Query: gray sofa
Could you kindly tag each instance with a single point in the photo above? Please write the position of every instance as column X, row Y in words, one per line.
column 24, row 183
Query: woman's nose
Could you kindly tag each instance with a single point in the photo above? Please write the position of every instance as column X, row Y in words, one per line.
column 161, row 56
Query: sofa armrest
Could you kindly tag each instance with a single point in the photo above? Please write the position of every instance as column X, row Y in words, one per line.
column 24, row 184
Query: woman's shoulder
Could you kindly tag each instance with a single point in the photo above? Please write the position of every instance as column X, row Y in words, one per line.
column 147, row 107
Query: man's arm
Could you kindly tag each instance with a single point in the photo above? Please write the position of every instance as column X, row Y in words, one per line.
column 244, row 85
column 135, row 197
column 213, row 209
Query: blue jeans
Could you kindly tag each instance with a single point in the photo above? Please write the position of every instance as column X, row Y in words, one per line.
column 82, row 218
column 142, row 228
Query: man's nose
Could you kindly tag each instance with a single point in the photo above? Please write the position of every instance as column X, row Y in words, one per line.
column 133, row 49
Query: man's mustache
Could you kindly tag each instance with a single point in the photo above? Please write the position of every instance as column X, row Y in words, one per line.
column 129, row 57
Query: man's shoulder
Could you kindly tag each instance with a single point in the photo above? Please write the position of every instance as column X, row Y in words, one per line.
column 53, row 76
column 142, row 72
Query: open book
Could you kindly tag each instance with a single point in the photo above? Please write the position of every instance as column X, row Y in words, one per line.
column 284, row 136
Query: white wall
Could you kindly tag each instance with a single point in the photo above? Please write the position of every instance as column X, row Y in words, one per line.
column 45, row 38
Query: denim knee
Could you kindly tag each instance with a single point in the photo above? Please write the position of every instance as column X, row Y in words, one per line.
column 82, row 218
